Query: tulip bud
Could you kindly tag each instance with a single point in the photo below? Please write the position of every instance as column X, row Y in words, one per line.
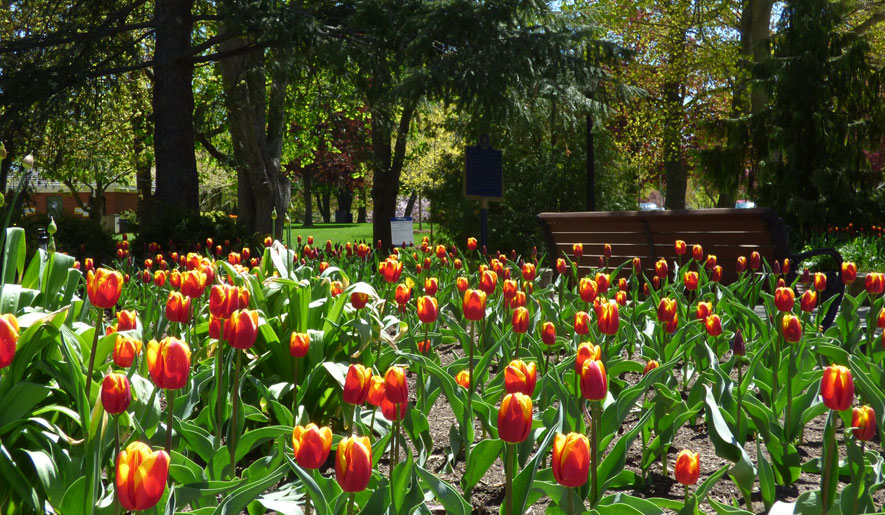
column 571, row 459
column 125, row 351
column 863, row 420
column 607, row 251
column 738, row 347
column 299, row 344
column 357, row 384
column 548, row 333
column 713, row 325
column 651, row 365
column 704, row 310
column 169, row 362
column 515, row 417
column 849, row 272
column 396, row 388
column 520, row 377
column 755, row 260
column 697, row 252
column 607, row 317
column 808, row 301
column 141, row 476
column 474, row 304
column 582, row 323
column 741, row 265
column 28, row 162
column 311, row 445
column 463, row 379
column 116, row 393
column 662, row 269
column 679, row 247
column 837, row 387
column 594, row 383
column 353, row 463
column 791, row 328
column 520, row 320
column 690, row 279
column 687, row 468
column 578, row 250
column 784, row 299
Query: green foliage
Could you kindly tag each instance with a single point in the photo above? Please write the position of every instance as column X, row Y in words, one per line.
column 78, row 236
column 186, row 232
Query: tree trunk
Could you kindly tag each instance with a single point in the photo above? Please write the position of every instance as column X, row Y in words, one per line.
column 256, row 124
column 5, row 167
column 388, row 165
column 308, row 201
column 410, row 205
column 677, row 179
column 361, row 211
column 323, row 201
column 345, row 204
column 173, row 106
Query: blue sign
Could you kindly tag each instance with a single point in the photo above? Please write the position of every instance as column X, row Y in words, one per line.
column 483, row 172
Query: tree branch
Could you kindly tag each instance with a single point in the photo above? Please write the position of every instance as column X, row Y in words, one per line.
column 217, row 56
column 209, row 43
column 213, row 151
column 874, row 19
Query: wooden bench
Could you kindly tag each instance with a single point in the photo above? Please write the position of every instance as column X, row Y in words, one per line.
column 650, row 235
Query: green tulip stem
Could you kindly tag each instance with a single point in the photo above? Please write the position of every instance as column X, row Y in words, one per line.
column 350, row 502
column 98, row 316
column 685, row 502
column 219, row 374
column 294, row 389
column 739, row 393
column 170, row 408
column 306, row 501
column 116, row 453
column 594, row 451
column 518, row 344
column 508, row 477
column 830, row 449
column 232, row 439
column 789, row 412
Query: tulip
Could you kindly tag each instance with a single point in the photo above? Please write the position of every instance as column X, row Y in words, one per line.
column 741, row 265
column 9, row 333
column 311, row 445
column 808, row 301
column 431, row 285
column 356, row 384
column 462, row 284
column 471, row 244
column 402, row 295
column 661, row 268
column 159, row 278
column 103, row 287
column 690, row 279
column 215, row 324
column 711, row 262
column 241, row 329
column 359, row 299
column 146, row 276
column 637, row 265
column 353, row 463
column 849, row 272
column 393, row 412
column 713, row 325
column 515, row 417
column 786, row 267
column 586, row 350
column 126, row 320
column 520, row 377
column 679, row 247
column 863, row 420
column 548, row 333
column 474, row 304
column 141, row 476
column 299, row 344
column 588, row 289
column 704, row 310
column 621, row 298
column 336, row 288
column 463, row 379
column 716, row 274
column 520, row 320
column 528, row 272
column 874, row 283
column 561, row 266
column 571, row 459
column 578, row 250
column 488, row 281
column 509, row 289
column 791, row 328
column 651, row 365
column 755, row 260
column 603, row 281
column 784, row 299
column 390, row 270
column 687, row 468
column 622, row 284
column 396, row 388
column 738, row 347
column 125, row 351
column 672, row 324
column 178, row 308
column 667, row 309
column 697, row 252
column 594, row 383
column 223, row 300
column 837, row 387
column 116, row 393
column 820, row 281
column 880, row 321
column 607, row 318
column 582, row 323
column 518, row 300
column 424, row 346
column 376, row 391
column 427, row 309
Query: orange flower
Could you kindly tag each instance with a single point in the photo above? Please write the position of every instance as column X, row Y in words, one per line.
column 820, row 281
column 126, row 320
column 880, row 321
column 607, row 251
column 755, row 260
column 159, row 278
column 679, row 247
column 462, row 284
column 849, row 272
column 863, row 420
column 393, row 411
column 672, row 324
column 359, row 299
column 431, row 285
column 688, row 467
column 103, row 287
column 528, row 272
column 125, row 350
column 594, row 383
column 223, row 300
column 520, row 377
column 667, row 309
column 713, row 325
column 115, row 393
column 141, row 476
column 169, row 362
column 390, row 269
column 487, row 282
column 837, row 387
column 711, row 262
column 311, row 445
column 520, row 320
column 215, row 325
column 690, row 279
column 463, row 379
column 178, row 307
column 427, row 309
column 517, row 300
column 651, row 365
column 661, row 268
column 874, row 283
column 791, row 328
column 588, row 289
column 396, row 388
column 336, row 288
column 586, row 350
column 607, row 318
column 299, row 344
column 474, row 304
column 622, row 284
column 424, row 346
column 561, row 266
column 471, row 244
column 548, row 333
column 784, row 299
column 704, row 310
column 603, row 281
column 571, row 459
column 353, row 463
column 9, row 332
column 578, row 250
column 241, row 329
column 357, row 384
column 403, row 294
column 741, row 264
column 376, row 391
column 697, row 252
column 808, row 301
column 509, row 289
column 716, row 274
column 582, row 323
column 515, row 417
column 193, row 283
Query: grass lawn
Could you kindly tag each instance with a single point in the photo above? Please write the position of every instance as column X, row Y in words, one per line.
column 338, row 233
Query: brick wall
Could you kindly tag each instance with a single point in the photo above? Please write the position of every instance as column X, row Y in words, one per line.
column 115, row 201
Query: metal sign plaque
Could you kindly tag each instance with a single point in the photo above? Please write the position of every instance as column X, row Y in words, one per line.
column 483, row 171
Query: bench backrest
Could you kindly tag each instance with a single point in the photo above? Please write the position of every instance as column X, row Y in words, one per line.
column 650, row 235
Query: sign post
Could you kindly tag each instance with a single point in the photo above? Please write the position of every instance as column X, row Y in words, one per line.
column 483, row 177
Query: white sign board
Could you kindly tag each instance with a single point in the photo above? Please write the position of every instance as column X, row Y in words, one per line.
column 401, row 231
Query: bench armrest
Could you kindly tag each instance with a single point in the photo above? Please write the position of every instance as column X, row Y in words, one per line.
column 835, row 286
